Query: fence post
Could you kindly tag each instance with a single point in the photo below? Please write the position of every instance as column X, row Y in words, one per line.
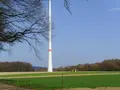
column 62, row 81
column 29, row 82
column 17, row 82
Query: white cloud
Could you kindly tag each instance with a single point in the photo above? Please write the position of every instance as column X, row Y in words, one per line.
column 114, row 9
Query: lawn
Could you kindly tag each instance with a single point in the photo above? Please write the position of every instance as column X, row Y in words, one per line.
column 58, row 73
column 67, row 82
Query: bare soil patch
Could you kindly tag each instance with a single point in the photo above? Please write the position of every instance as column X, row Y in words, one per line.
column 10, row 87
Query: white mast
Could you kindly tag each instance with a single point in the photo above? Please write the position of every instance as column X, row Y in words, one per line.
column 50, row 69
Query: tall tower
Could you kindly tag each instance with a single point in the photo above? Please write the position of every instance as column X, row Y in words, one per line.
column 50, row 69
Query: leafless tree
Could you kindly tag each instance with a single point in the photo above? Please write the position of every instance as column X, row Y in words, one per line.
column 22, row 20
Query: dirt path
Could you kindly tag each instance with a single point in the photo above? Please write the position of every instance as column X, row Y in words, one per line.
column 13, row 73
column 10, row 87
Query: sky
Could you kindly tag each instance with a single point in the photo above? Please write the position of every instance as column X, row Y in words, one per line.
column 91, row 34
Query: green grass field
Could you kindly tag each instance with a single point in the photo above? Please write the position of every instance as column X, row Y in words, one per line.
column 50, row 83
column 60, row 73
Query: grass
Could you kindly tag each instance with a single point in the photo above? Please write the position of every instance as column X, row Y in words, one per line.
column 58, row 73
column 68, row 82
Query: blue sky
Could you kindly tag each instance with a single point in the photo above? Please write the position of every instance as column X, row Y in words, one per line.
column 91, row 34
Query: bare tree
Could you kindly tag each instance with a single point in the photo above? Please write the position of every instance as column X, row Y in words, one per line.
column 22, row 20
column 66, row 5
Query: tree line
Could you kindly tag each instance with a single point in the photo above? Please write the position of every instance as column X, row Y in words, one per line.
column 106, row 65
column 15, row 67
